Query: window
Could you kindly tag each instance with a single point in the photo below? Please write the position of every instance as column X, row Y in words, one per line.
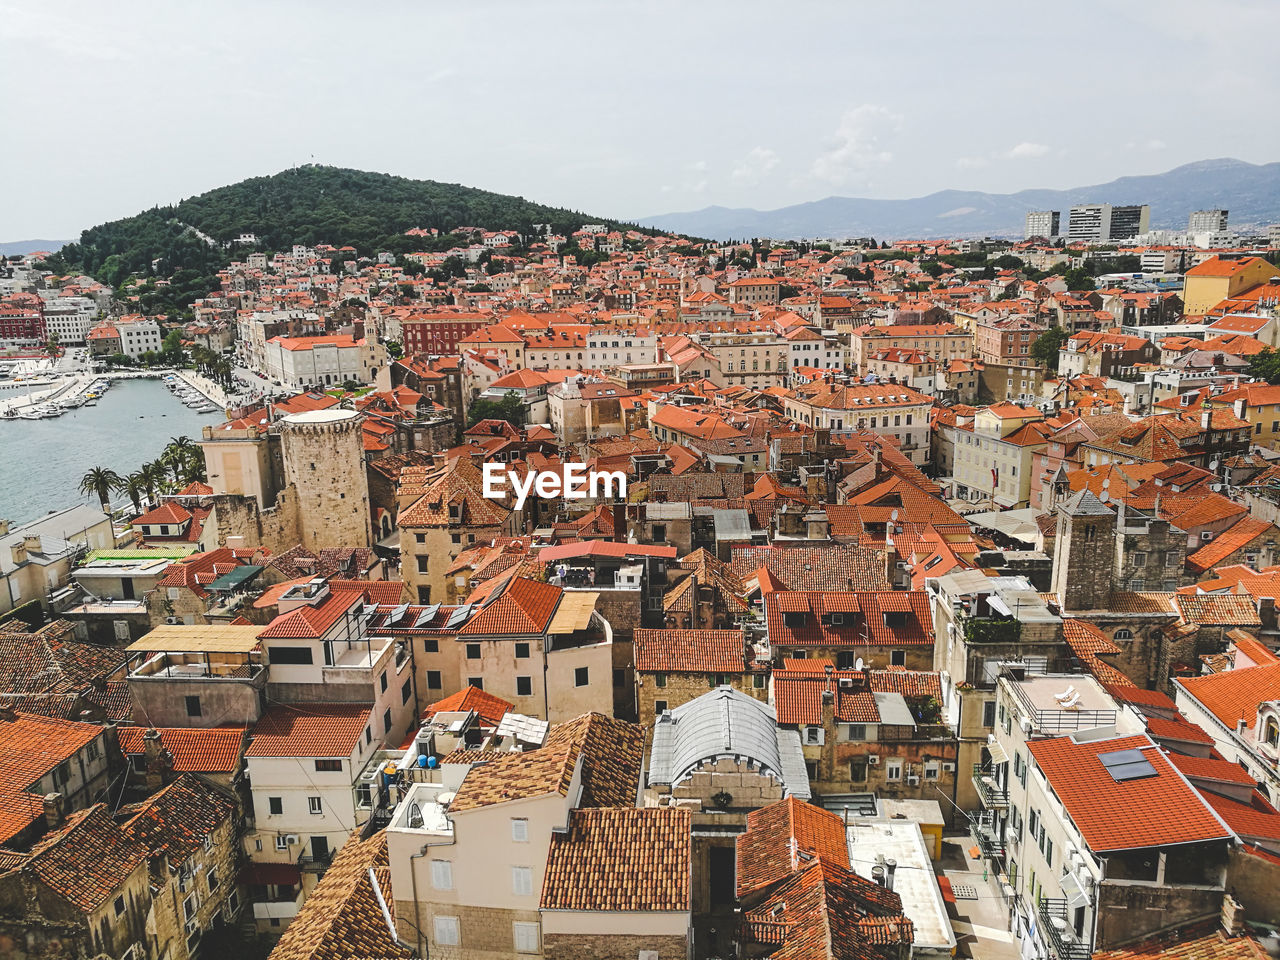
column 275, row 806
column 659, row 680
column 893, row 770
column 580, row 677
column 1139, row 559
column 420, row 538
column 858, row 769
column 211, row 878
column 473, row 651
column 477, row 682
column 193, row 707
column 525, row 936
column 1123, row 634
column 989, row 713
column 433, row 679
column 931, row 770
column 386, row 720
column 519, row 830
column 422, row 564
column 659, row 707
column 757, row 681
column 282, row 842
column 442, row 874
column 898, row 658
column 522, row 881
column 430, row 645
column 328, row 765
column 855, row 731
column 382, row 682
column 522, row 651
column 289, row 654
column 119, row 905
column 446, row 931
column 524, row 686
column 314, row 805
column 814, row 736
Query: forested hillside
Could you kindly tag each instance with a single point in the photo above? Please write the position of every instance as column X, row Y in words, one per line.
column 310, row 204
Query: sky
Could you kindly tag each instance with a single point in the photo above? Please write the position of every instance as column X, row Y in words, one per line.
column 616, row 108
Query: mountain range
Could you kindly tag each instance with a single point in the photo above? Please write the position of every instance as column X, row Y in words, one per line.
column 1251, row 192
column 21, row 247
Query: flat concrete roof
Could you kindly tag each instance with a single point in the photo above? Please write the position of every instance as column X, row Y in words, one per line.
column 914, row 880
column 331, row 415
column 1042, row 692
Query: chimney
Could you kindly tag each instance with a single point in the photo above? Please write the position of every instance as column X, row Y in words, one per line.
column 19, row 553
column 1232, row 916
column 890, row 867
column 157, row 758
column 1205, row 416
column 53, row 811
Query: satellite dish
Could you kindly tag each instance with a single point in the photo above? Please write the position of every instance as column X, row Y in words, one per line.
column 858, row 665
column 1105, row 496
column 1213, row 464
column 1215, row 487
column 894, row 515
column 1106, row 483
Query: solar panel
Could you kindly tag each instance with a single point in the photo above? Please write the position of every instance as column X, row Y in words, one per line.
column 427, row 615
column 458, row 616
column 1126, row 765
column 396, row 614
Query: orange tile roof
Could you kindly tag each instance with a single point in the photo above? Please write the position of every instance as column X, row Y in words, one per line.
column 1145, row 812
column 88, row 859
column 1234, row 695
column 193, row 749
column 488, row 708
column 777, row 836
column 525, row 607
column 1206, row 941
column 309, row 622
column 690, row 651
column 33, row 746
column 309, row 730
column 621, row 860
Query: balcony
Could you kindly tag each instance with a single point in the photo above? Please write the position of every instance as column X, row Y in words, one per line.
column 280, row 906
column 986, row 834
column 992, row 795
column 1058, row 933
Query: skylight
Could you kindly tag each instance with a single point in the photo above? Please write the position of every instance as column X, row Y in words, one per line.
column 1126, row 765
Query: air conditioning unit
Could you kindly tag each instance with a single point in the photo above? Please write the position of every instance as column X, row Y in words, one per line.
column 291, row 839
column 1026, row 725
column 873, row 760
column 948, row 767
column 172, row 619
column 846, row 682
column 913, row 781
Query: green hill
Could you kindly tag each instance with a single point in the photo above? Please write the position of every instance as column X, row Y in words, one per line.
column 308, row 205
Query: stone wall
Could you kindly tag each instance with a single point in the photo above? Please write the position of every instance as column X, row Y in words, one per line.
column 1129, row 913
column 324, row 463
column 562, row 946
column 1253, row 879
column 680, row 688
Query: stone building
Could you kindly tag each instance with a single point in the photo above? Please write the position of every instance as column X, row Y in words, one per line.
column 673, row 667
column 1084, row 553
column 720, row 757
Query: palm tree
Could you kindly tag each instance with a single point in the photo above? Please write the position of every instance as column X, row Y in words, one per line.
column 176, row 453
column 154, row 476
column 134, row 486
column 193, row 469
column 100, row 480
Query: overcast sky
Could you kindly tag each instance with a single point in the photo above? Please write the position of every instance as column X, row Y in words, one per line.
column 617, row 108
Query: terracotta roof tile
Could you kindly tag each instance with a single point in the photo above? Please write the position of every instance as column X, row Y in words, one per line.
column 620, row 859
column 193, row 749
column 309, row 730
column 1143, row 812
column 780, row 835
column 690, row 651
column 1234, row 695
column 488, row 708
column 88, row 859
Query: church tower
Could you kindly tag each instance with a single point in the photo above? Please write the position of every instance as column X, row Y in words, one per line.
column 1083, row 553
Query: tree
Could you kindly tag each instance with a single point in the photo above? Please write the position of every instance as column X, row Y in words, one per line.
column 172, row 343
column 1078, row 279
column 1265, row 366
column 100, row 481
column 51, row 345
column 1045, row 349
column 510, row 408
column 1008, row 262
column 786, row 291
column 155, row 477
column 394, row 350
column 134, row 486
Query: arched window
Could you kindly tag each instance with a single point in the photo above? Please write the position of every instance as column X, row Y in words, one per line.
column 1123, row 634
column 1272, row 732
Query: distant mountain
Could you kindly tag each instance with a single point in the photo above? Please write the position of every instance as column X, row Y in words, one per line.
column 20, row 247
column 1251, row 192
column 305, row 205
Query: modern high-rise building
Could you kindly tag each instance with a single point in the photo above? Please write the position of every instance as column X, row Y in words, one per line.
column 1207, row 221
column 1042, row 223
column 1100, row 222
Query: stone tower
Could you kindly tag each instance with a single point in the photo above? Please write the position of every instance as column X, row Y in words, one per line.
column 324, row 467
column 1083, row 553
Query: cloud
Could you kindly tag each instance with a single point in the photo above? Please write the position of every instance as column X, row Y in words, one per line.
column 1155, row 144
column 859, row 144
column 971, row 163
column 755, row 166
column 1027, row 151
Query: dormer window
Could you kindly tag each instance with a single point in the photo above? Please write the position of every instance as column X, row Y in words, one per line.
column 893, row 618
column 793, row 619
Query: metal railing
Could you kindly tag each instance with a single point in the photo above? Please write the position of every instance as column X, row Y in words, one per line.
column 1058, row 931
column 988, row 839
column 989, row 791
column 1050, row 720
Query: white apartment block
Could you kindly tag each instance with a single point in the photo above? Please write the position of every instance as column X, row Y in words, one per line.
column 612, row 346
column 300, row 362
column 138, row 337
column 70, row 318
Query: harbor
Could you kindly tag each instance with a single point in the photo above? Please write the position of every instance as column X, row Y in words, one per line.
column 47, row 397
column 124, row 427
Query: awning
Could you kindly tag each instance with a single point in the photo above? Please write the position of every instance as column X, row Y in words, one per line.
column 235, row 578
column 198, row 638
column 574, row 612
column 997, row 752
column 277, row 874
column 998, row 605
